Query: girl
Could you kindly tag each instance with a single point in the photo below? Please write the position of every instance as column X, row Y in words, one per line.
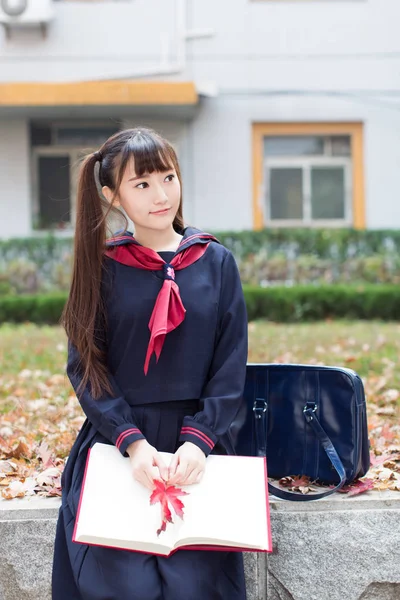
column 156, row 367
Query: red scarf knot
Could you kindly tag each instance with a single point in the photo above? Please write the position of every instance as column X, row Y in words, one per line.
column 168, row 312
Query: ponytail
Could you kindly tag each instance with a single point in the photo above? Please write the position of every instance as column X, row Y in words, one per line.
column 84, row 316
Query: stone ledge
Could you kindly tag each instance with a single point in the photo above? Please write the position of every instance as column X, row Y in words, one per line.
column 338, row 548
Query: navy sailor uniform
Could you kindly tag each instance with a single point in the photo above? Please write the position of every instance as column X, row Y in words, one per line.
column 192, row 393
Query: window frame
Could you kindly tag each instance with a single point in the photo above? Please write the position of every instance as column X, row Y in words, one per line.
column 306, row 163
column 356, row 211
column 75, row 152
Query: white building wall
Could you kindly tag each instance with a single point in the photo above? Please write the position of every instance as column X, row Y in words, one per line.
column 15, row 209
column 325, row 60
column 223, row 158
column 382, row 168
column 325, row 44
column 296, row 62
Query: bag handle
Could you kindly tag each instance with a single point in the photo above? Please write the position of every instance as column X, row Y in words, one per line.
column 261, row 417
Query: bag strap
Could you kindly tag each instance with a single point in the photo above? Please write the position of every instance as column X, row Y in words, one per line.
column 261, row 422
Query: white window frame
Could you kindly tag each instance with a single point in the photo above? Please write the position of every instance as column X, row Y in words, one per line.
column 306, row 163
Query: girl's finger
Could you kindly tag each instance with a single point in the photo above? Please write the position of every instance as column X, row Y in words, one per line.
column 162, row 467
column 173, row 466
column 180, row 473
column 146, row 475
column 141, row 478
column 191, row 477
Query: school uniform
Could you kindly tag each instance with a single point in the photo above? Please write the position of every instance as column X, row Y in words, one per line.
column 176, row 340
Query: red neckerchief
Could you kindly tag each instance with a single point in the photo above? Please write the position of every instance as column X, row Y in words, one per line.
column 168, row 311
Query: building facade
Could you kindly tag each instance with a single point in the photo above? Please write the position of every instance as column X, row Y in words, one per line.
column 283, row 112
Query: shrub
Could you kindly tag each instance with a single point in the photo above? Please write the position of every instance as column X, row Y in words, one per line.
column 280, row 304
column 266, row 257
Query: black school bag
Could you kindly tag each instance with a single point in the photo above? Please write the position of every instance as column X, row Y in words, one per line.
column 308, row 420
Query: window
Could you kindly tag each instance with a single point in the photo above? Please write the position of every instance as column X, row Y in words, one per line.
column 57, row 150
column 307, row 175
column 308, row 178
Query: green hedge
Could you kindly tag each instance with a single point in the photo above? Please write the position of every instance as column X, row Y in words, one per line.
column 45, row 308
column 312, row 303
column 42, row 265
column 281, row 304
column 334, row 244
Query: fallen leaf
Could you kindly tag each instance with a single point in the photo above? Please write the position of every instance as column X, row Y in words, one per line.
column 385, row 474
column 47, row 477
column 357, row 487
column 45, row 454
column 298, row 483
column 19, row 489
column 6, row 466
column 21, row 450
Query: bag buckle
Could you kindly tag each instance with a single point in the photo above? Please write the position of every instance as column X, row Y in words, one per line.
column 259, row 407
column 309, row 407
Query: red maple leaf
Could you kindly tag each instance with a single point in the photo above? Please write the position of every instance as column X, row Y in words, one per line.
column 164, row 494
column 357, row 487
column 172, row 494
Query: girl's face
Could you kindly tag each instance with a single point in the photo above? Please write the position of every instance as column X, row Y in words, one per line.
column 150, row 201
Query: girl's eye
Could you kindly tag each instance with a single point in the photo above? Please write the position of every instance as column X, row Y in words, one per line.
column 146, row 184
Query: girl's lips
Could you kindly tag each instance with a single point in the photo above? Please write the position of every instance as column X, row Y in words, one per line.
column 160, row 212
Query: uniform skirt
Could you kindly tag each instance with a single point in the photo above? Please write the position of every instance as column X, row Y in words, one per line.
column 83, row 572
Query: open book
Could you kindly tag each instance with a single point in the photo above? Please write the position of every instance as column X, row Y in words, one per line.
column 227, row 510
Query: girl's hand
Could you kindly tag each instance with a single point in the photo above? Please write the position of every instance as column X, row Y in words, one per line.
column 187, row 465
column 146, row 463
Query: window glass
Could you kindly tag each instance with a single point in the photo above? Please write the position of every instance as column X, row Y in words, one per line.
column 54, row 191
column 286, row 192
column 294, row 146
column 327, row 193
column 341, row 145
column 83, row 136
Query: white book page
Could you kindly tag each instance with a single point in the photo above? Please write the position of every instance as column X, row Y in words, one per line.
column 229, row 506
column 116, row 509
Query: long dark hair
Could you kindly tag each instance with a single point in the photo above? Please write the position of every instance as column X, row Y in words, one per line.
column 84, row 317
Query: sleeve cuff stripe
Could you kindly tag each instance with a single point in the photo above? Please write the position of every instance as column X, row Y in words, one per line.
column 199, row 434
column 125, row 434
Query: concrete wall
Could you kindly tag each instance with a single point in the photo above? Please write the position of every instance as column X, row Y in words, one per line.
column 281, row 44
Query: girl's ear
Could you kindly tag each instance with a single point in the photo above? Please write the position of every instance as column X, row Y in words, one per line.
column 108, row 194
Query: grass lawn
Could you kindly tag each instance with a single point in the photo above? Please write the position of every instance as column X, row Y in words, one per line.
column 37, row 401
column 371, row 348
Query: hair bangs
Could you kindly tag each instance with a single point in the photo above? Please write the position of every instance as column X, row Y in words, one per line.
column 149, row 154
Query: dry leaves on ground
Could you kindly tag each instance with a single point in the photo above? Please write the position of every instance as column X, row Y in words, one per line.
column 40, row 415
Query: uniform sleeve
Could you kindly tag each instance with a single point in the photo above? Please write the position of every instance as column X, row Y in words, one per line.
column 223, row 394
column 111, row 416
